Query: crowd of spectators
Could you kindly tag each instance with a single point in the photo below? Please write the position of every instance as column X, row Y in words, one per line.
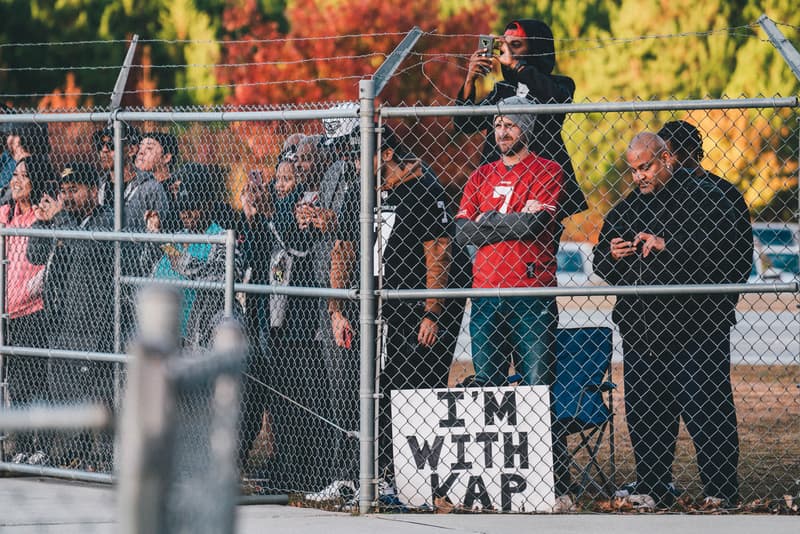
column 299, row 226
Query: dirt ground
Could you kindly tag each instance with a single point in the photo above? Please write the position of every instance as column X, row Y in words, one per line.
column 768, row 408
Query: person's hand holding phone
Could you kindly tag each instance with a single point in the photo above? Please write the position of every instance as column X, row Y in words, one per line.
column 47, row 208
column 255, row 196
column 481, row 61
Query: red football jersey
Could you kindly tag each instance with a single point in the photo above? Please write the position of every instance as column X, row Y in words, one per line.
column 493, row 187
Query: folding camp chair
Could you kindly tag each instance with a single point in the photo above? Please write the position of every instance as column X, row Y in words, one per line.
column 583, row 404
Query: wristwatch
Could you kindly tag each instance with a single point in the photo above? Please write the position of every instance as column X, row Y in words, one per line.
column 431, row 316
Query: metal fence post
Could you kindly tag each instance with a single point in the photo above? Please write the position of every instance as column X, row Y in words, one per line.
column 144, row 463
column 230, row 271
column 367, row 298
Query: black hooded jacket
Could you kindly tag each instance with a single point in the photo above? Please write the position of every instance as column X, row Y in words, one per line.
column 546, row 88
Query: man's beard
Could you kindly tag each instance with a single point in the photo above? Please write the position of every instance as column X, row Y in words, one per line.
column 518, row 146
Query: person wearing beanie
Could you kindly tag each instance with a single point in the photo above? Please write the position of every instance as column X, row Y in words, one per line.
column 78, row 303
column 508, row 212
column 526, row 59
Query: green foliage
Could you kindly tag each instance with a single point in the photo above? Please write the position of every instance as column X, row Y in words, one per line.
column 599, row 45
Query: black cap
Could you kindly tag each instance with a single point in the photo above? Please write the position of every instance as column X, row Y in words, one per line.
column 79, row 173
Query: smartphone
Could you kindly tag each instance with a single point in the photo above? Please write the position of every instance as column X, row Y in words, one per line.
column 487, row 42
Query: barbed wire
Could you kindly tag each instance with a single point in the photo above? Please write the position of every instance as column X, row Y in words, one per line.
column 383, row 34
column 211, row 41
column 425, row 58
column 202, row 65
column 194, row 88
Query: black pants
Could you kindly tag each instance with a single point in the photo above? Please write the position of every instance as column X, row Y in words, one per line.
column 342, row 397
column 689, row 380
column 27, row 375
column 410, row 365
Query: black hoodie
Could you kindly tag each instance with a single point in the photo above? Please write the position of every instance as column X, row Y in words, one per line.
column 546, row 88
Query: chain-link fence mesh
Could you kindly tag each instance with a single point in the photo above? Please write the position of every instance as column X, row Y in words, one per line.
column 291, row 191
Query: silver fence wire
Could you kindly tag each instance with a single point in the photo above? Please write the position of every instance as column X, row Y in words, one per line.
column 543, row 384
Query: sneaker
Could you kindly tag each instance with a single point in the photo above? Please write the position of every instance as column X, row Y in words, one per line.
column 20, row 458
column 39, row 458
column 626, row 490
column 564, row 504
column 336, row 490
column 640, row 501
column 387, row 497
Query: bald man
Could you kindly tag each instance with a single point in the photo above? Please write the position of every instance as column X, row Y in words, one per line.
column 672, row 230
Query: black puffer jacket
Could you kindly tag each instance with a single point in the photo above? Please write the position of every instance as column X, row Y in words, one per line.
column 546, row 88
column 79, row 282
column 698, row 225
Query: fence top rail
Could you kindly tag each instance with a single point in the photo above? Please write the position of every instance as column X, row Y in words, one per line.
column 704, row 289
column 401, row 111
column 186, row 116
column 114, row 236
column 589, row 107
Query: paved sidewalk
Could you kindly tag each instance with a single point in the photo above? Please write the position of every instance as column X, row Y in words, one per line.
column 35, row 506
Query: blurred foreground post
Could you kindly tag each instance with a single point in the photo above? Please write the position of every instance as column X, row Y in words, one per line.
column 177, row 464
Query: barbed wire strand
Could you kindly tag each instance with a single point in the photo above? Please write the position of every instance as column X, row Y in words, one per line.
column 562, row 52
column 202, row 65
column 383, row 34
column 442, row 57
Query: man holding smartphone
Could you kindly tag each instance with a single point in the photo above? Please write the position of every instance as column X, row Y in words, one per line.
column 526, row 58
column 672, row 230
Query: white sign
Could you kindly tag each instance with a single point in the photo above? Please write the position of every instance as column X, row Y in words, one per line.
column 483, row 448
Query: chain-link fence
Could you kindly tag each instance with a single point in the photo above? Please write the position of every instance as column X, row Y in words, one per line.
column 407, row 364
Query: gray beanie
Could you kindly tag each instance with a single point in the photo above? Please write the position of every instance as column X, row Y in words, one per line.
column 525, row 121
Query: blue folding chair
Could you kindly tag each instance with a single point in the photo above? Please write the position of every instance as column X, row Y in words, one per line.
column 583, row 403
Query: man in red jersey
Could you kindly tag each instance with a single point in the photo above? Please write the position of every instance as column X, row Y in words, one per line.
column 507, row 212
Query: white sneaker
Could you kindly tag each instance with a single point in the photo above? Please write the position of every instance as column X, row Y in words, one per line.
column 564, row 504
column 386, row 488
column 338, row 489
column 640, row 501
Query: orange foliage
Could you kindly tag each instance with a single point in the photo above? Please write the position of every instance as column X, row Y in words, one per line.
column 324, row 55
column 67, row 139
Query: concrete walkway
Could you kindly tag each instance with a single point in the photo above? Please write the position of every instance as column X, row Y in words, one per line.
column 35, row 506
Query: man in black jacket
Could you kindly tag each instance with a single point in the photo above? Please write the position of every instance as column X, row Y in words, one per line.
column 78, row 296
column 527, row 59
column 686, row 147
column 673, row 230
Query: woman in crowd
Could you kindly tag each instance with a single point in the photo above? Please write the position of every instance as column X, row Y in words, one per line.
column 24, row 305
